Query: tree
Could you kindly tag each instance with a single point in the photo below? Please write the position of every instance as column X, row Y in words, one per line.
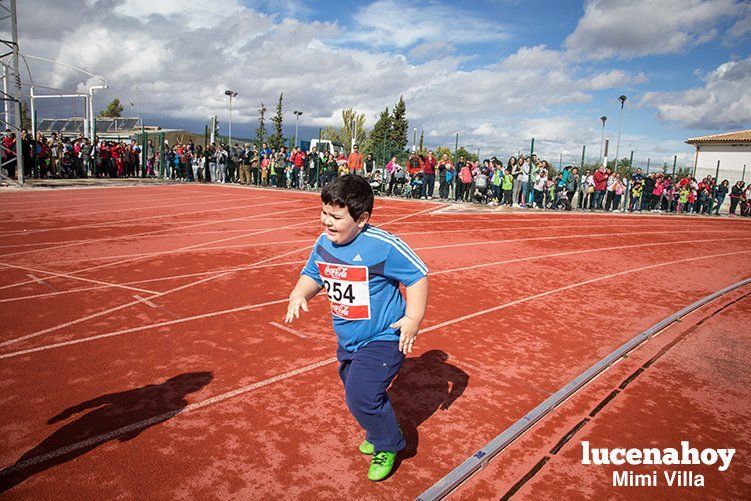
column 378, row 142
column 344, row 134
column 444, row 150
column 277, row 139
column 261, row 130
column 399, row 125
column 462, row 152
column 113, row 110
column 25, row 118
column 622, row 168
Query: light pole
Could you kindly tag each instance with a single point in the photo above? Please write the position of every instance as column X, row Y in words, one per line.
column 297, row 118
column 231, row 94
column 603, row 119
column 622, row 99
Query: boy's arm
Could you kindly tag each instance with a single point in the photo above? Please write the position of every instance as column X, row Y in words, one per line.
column 417, row 301
column 305, row 290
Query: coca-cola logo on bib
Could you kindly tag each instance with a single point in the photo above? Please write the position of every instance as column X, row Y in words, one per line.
column 340, row 309
column 335, row 271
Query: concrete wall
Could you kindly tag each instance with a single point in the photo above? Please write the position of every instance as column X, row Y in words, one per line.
column 732, row 157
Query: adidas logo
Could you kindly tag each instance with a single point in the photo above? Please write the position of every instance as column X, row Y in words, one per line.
column 357, row 258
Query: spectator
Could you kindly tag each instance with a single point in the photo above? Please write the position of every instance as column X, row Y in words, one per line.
column 354, row 161
column 444, row 168
column 735, row 196
column 428, row 169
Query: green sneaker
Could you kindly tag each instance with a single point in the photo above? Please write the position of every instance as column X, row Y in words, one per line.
column 367, row 448
column 381, row 465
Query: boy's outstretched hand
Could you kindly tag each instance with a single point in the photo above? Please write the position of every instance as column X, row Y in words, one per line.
column 409, row 328
column 293, row 308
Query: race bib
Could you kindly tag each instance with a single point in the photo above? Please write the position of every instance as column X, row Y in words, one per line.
column 347, row 289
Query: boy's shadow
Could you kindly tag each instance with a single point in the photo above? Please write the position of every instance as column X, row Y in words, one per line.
column 122, row 416
column 424, row 385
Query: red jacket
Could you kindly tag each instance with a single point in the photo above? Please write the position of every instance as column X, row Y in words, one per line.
column 601, row 180
column 298, row 159
column 428, row 167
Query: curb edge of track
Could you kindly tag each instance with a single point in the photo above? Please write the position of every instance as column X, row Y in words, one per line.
column 474, row 463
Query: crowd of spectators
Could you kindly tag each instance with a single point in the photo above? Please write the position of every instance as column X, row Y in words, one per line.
column 525, row 182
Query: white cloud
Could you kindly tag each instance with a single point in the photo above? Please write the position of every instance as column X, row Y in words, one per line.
column 629, row 28
column 724, row 102
column 180, row 56
column 396, row 23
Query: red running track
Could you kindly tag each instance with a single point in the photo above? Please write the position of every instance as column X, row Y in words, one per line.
column 144, row 354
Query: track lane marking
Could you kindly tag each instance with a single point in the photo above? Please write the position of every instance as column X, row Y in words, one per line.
column 162, row 417
column 279, row 301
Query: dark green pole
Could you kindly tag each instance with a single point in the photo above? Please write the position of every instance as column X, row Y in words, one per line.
column 163, row 151
column 675, row 159
column 628, row 183
column 93, row 144
column 144, row 145
column 205, row 136
column 320, row 133
column 743, row 176
column 584, row 149
column 383, row 150
column 648, row 159
column 717, row 173
column 529, row 182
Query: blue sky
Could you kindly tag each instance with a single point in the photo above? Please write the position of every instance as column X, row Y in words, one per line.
column 497, row 71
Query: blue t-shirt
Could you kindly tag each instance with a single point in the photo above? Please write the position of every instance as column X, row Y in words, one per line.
column 362, row 279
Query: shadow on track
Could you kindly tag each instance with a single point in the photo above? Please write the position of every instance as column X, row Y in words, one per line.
column 424, row 385
column 122, row 416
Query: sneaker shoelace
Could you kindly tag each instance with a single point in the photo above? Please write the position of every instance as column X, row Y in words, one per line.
column 380, row 458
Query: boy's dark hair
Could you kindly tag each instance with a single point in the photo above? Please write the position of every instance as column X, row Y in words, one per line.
column 350, row 191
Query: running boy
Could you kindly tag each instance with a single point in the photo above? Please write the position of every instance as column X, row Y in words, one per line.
column 361, row 268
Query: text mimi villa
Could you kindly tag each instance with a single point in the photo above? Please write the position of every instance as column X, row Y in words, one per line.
column 683, row 477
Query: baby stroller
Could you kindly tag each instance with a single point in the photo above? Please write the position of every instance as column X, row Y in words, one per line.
column 376, row 182
column 397, row 182
column 482, row 190
column 416, row 186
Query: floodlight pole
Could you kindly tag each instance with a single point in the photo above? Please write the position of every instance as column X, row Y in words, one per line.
column 622, row 99
column 603, row 119
column 297, row 118
column 231, row 94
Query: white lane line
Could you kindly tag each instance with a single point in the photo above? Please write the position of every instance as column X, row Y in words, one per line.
column 145, row 301
column 599, row 249
column 81, row 279
column 430, row 232
column 286, row 263
column 104, row 224
column 145, row 423
column 159, row 294
column 399, row 234
column 279, row 301
column 287, row 329
column 212, row 277
column 119, row 224
column 38, row 280
column 184, row 202
column 119, row 261
column 141, row 328
column 571, row 286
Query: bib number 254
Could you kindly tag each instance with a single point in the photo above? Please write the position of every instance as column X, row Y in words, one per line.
column 337, row 293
